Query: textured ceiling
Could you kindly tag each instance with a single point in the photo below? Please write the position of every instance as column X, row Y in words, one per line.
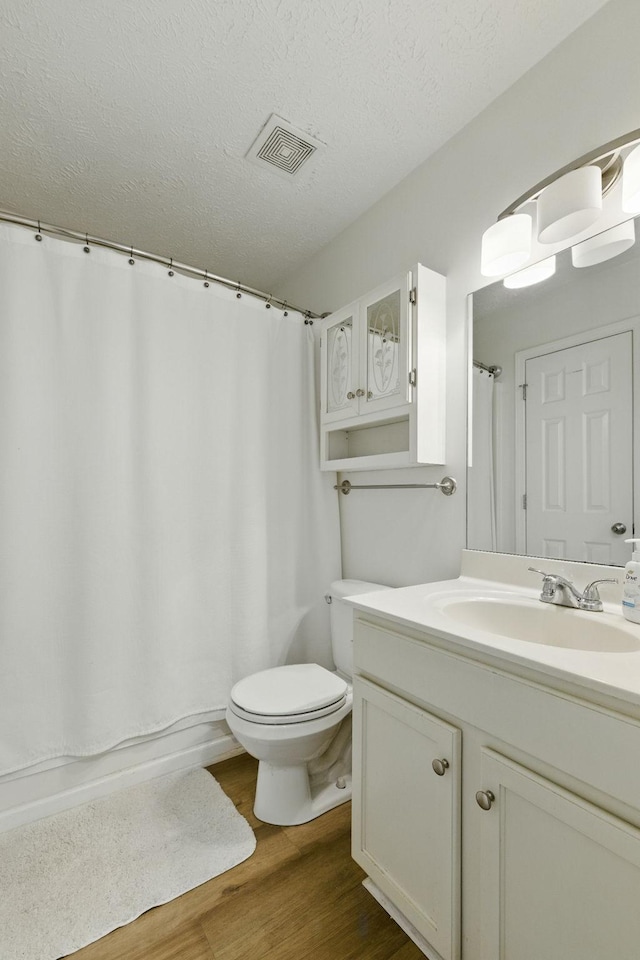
column 130, row 119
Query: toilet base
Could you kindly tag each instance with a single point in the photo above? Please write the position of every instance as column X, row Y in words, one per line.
column 286, row 797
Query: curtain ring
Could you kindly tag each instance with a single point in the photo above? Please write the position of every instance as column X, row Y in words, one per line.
column 206, row 278
column 171, row 273
column 86, row 248
column 38, row 234
column 284, row 308
column 238, row 294
column 268, row 303
column 131, row 260
column 307, row 318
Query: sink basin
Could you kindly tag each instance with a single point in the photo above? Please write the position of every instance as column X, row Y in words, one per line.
column 541, row 623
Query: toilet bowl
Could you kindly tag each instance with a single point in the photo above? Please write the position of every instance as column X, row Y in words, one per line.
column 296, row 721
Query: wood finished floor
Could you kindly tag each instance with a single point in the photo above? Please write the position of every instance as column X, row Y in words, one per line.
column 299, row 895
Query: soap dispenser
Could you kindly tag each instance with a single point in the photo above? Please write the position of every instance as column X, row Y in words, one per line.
column 631, row 589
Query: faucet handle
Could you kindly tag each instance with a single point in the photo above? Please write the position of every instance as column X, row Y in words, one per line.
column 591, row 590
column 550, row 584
column 549, row 578
column 556, row 578
column 591, row 597
column 541, row 572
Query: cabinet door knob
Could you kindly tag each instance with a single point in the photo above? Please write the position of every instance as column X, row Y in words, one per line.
column 440, row 767
column 351, row 395
column 359, row 392
column 484, row 799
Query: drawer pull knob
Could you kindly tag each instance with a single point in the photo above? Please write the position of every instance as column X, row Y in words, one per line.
column 440, row 767
column 484, row 799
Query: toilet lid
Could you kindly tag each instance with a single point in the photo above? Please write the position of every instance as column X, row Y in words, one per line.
column 289, row 690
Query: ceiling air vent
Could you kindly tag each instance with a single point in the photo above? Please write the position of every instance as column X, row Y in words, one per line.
column 283, row 148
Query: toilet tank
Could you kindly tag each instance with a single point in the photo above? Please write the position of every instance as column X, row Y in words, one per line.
column 341, row 618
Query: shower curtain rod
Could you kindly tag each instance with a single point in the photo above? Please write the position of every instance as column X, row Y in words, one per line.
column 490, row 368
column 173, row 265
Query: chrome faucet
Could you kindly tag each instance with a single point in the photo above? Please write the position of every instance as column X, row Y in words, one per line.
column 557, row 589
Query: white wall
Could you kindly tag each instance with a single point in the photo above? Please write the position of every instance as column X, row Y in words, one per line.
column 583, row 94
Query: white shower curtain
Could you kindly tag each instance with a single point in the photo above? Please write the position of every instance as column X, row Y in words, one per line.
column 481, row 505
column 164, row 527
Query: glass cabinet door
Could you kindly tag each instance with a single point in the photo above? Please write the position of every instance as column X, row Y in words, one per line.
column 385, row 346
column 340, row 366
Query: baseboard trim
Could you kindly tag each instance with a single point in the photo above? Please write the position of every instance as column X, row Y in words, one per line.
column 400, row 919
column 200, row 755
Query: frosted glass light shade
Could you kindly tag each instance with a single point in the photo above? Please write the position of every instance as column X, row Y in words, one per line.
column 569, row 205
column 631, row 182
column 604, row 245
column 530, row 275
column 506, row 245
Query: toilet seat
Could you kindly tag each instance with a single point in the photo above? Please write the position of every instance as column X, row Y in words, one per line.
column 295, row 693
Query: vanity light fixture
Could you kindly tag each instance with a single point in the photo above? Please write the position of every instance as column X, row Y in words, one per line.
column 506, row 245
column 604, row 246
column 530, row 275
column 570, row 204
column 567, row 203
column 631, row 182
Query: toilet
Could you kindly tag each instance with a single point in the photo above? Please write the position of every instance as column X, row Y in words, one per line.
column 296, row 720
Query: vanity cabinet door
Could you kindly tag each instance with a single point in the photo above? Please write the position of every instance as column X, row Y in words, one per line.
column 560, row 877
column 406, row 811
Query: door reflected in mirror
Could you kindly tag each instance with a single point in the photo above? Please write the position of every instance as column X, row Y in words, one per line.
column 554, row 440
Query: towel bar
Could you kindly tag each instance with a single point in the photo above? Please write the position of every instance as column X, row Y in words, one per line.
column 447, row 485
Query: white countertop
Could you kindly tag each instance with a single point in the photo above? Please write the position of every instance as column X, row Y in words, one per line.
column 610, row 673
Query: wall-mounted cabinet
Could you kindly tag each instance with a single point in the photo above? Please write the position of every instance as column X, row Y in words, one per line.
column 383, row 377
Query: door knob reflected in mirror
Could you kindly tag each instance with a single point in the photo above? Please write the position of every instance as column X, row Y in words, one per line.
column 618, row 528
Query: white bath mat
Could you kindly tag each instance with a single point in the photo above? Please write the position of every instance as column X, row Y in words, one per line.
column 69, row 879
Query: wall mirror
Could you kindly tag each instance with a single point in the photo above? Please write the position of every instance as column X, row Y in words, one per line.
column 555, row 413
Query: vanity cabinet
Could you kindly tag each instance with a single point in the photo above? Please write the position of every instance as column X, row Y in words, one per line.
column 383, row 376
column 542, row 786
